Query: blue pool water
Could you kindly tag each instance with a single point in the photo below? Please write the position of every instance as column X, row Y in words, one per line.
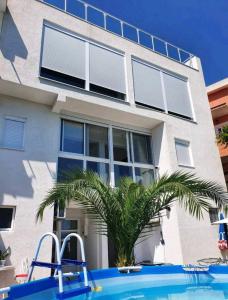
column 180, row 286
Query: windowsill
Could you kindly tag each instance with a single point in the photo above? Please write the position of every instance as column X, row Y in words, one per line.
column 6, row 229
column 61, row 85
column 165, row 113
column 14, row 149
column 186, row 166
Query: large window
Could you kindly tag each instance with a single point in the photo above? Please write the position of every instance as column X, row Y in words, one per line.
column 111, row 152
column 6, row 217
column 65, row 59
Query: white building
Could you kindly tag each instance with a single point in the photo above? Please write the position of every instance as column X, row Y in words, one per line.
column 116, row 100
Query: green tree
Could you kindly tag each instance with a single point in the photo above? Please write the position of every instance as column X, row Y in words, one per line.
column 124, row 213
column 222, row 137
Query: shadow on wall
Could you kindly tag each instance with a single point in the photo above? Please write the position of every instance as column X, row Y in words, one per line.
column 11, row 43
column 15, row 181
column 151, row 249
column 19, row 174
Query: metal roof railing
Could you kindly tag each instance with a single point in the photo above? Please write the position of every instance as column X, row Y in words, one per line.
column 108, row 22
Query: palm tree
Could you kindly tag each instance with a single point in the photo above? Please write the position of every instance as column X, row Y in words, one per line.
column 124, row 213
column 222, row 137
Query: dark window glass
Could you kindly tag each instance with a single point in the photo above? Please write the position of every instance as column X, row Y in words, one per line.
column 142, row 148
column 213, row 214
column 66, row 166
column 69, row 224
column 144, row 176
column 120, row 145
column 97, row 141
column 71, row 247
column 64, row 78
column 106, row 92
column 73, row 137
column 6, row 217
column 121, row 171
column 102, row 169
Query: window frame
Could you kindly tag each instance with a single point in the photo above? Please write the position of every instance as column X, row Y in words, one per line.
column 188, row 144
column 88, row 42
column 110, row 160
column 13, row 217
column 15, row 119
column 170, row 73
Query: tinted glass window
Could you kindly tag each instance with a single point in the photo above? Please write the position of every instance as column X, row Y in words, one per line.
column 120, row 145
column 6, row 217
column 72, row 137
column 142, row 148
column 121, row 171
column 102, row 169
column 97, row 141
column 66, row 166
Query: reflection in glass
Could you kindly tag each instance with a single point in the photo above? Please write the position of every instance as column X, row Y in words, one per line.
column 66, row 166
column 142, row 148
column 73, row 137
column 121, row 171
column 102, row 169
column 144, row 176
column 97, row 141
column 120, row 145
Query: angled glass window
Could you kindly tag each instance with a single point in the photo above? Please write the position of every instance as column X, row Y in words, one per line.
column 142, row 148
column 97, row 141
column 72, row 137
column 120, row 145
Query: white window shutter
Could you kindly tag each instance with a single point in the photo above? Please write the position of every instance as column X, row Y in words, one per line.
column 13, row 136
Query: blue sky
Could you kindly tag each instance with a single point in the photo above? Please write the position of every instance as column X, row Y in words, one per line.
column 199, row 26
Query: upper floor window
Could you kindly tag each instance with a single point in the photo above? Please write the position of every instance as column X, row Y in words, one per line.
column 6, row 217
column 65, row 59
column 13, row 133
column 183, row 152
column 162, row 91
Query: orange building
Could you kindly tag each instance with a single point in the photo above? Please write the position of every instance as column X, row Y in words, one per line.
column 218, row 99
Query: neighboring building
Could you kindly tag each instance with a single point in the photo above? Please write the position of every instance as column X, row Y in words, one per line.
column 75, row 94
column 218, row 99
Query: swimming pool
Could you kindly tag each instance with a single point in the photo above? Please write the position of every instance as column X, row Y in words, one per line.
column 153, row 283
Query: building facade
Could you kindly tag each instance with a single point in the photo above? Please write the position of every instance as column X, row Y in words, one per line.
column 80, row 88
column 218, row 100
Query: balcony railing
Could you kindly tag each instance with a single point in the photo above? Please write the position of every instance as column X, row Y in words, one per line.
column 97, row 17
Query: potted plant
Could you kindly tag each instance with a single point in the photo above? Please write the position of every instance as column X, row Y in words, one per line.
column 3, row 255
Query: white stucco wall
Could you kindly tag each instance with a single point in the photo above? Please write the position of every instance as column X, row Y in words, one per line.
column 26, row 176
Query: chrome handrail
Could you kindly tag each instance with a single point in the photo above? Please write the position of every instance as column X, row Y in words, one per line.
column 186, row 60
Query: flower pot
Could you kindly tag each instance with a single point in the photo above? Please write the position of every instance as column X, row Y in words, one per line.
column 2, row 263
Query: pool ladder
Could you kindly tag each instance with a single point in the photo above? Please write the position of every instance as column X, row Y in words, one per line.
column 57, row 266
